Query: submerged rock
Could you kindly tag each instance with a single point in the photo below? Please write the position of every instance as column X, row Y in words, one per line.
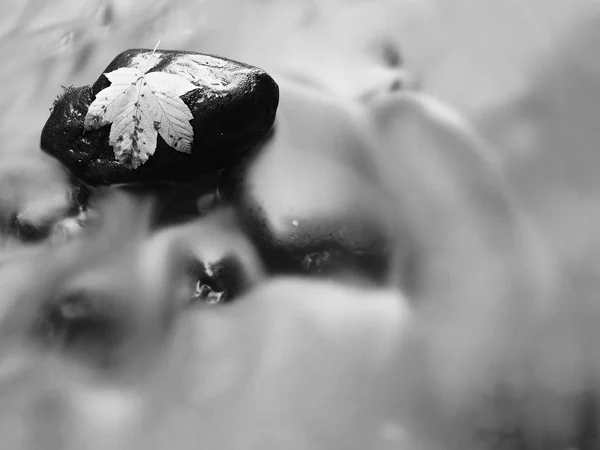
column 334, row 225
column 309, row 198
column 233, row 107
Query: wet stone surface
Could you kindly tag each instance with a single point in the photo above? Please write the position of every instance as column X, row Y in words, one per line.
column 234, row 106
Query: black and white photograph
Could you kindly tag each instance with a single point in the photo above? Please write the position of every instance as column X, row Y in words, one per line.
column 299, row 225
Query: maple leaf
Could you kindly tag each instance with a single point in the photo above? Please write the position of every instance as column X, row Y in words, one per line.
column 140, row 105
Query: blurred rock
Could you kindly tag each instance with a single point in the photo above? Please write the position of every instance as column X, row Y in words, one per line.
column 308, row 198
column 340, row 231
column 40, row 220
column 34, row 193
column 233, row 107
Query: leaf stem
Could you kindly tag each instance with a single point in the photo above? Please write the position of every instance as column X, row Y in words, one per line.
column 151, row 55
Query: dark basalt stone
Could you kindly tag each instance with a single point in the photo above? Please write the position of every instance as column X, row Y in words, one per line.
column 233, row 108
